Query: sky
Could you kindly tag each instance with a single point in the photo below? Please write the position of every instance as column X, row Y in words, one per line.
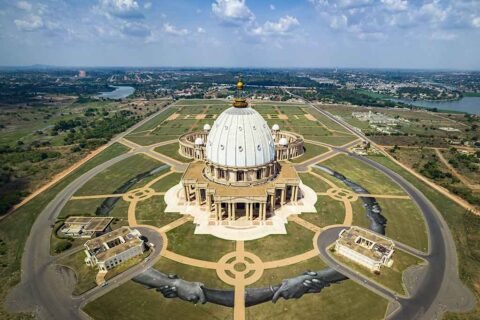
column 428, row 34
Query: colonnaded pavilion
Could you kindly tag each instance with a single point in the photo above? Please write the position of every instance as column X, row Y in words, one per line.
column 239, row 176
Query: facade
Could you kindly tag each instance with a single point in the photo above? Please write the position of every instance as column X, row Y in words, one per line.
column 113, row 248
column 85, row 227
column 365, row 247
column 237, row 175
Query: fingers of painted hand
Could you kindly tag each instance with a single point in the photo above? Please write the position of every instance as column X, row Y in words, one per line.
column 314, row 285
column 279, row 292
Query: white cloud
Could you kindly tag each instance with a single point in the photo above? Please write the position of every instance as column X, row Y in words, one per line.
column 173, row 30
column 232, row 11
column 282, row 27
column 476, row 22
column 396, row 5
column 272, row 7
column 147, row 5
column 30, row 23
column 200, row 30
column 24, row 5
column 135, row 29
column 339, row 22
column 443, row 35
column 125, row 9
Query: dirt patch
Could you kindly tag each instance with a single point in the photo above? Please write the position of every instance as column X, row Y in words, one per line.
column 173, row 117
column 200, row 116
column 282, row 117
column 310, row 117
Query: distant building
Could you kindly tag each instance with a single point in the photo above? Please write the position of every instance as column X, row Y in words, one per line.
column 448, row 129
column 113, row 248
column 85, row 227
column 365, row 247
column 82, row 74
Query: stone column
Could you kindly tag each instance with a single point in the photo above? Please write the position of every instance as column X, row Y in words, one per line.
column 187, row 195
column 272, row 203
column 234, row 205
column 209, row 201
column 197, row 196
column 282, row 199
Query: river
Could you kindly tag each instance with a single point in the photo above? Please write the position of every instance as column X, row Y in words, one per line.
column 465, row 104
column 120, row 92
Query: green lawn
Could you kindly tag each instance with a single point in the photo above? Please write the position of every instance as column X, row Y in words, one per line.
column 298, row 240
column 171, row 150
column 182, row 240
column 153, row 123
column 107, row 181
column 164, row 184
column 329, row 211
column 146, row 140
column 369, row 178
column 334, row 140
column 390, row 278
column 346, row 300
column 80, row 208
column 84, row 274
column 15, row 229
column 132, row 301
column 317, row 184
column 152, row 211
column 311, row 151
column 405, row 222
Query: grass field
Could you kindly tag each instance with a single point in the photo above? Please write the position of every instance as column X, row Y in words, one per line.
column 171, row 150
column 182, row 240
column 313, row 182
column 405, row 222
column 167, row 182
column 14, row 229
column 84, row 274
column 369, row 178
column 278, row 246
column 388, row 277
column 152, row 211
column 153, row 123
column 132, row 301
column 80, row 208
column 107, row 181
column 346, row 300
column 311, row 150
column 329, row 211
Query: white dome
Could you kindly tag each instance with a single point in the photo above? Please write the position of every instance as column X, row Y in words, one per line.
column 198, row 141
column 275, row 127
column 240, row 137
column 206, row 127
column 283, row 142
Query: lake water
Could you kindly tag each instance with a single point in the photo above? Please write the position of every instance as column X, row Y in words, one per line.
column 466, row 104
column 120, row 92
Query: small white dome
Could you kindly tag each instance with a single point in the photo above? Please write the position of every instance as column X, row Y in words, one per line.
column 283, row 142
column 275, row 127
column 199, row 141
column 206, row 127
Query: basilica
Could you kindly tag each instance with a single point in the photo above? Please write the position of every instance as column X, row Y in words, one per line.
column 240, row 172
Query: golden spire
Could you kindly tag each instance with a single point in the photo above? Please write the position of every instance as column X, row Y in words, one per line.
column 240, row 101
